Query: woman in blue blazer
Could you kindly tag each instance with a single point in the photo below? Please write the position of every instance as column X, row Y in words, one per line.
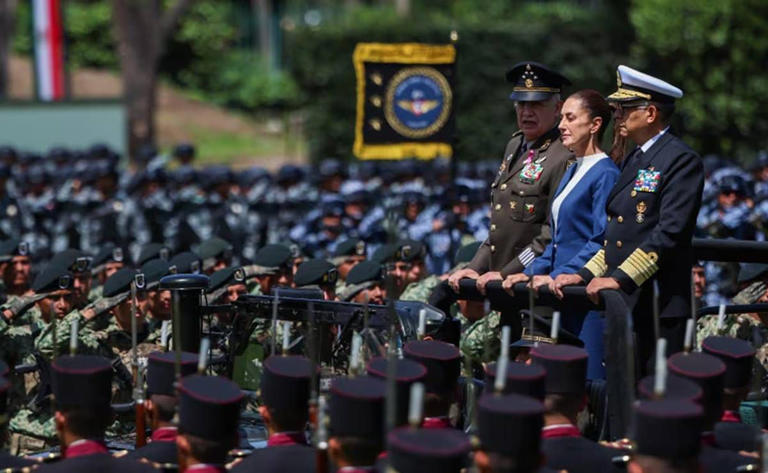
column 577, row 215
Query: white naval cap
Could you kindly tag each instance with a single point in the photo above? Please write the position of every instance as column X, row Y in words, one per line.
column 636, row 85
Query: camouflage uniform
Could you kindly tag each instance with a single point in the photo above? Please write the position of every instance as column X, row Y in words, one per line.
column 32, row 427
column 743, row 326
column 479, row 340
column 419, row 291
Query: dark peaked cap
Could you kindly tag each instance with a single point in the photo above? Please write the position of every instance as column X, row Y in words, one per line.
column 82, row 381
column 737, row 355
column 534, row 82
column 524, row 379
column 209, row 406
column 442, row 360
column 511, row 425
column 285, row 382
column 423, row 450
column 668, row 428
column 161, row 371
column 356, row 407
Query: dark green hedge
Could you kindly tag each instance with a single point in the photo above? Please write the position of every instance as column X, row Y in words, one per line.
column 586, row 45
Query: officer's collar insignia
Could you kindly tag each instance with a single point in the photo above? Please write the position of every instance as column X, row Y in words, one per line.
column 545, row 145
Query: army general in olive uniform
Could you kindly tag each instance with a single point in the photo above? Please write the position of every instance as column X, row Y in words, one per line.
column 534, row 162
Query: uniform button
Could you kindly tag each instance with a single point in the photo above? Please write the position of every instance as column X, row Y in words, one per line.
column 493, row 227
column 633, row 193
column 497, row 207
column 620, row 218
column 605, row 242
column 503, row 187
column 619, row 244
column 493, row 248
column 522, row 193
column 555, row 245
column 609, row 218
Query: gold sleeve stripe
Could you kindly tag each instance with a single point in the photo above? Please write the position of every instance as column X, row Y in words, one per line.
column 597, row 265
column 640, row 266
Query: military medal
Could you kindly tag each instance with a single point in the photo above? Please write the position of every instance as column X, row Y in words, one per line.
column 647, row 180
column 641, row 208
column 530, row 208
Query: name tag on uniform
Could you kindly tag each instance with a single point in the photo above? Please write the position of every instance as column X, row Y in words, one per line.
column 531, row 173
column 647, row 180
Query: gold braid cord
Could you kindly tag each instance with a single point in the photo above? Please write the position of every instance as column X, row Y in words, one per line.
column 597, row 265
column 640, row 266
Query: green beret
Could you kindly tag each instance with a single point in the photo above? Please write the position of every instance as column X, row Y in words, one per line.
column 365, row 271
column 752, row 271
column 184, row 263
column 273, row 256
column 13, row 247
column 315, row 272
column 53, row 277
column 154, row 270
column 214, row 247
column 466, row 252
column 109, row 253
column 152, row 251
column 410, row 250
column 119, row 283
column 221, row 278
column 351, row 247
column 74, row 260
column 385, row 253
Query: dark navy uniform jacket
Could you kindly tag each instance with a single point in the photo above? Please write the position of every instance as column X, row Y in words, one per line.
column 281, row 459
column 651, row 216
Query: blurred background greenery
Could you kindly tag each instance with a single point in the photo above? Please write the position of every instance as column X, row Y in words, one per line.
column 290, row 62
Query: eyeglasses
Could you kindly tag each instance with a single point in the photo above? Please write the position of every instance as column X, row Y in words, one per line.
column 619, row 110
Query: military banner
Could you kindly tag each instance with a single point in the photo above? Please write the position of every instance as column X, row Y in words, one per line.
column 405, row 103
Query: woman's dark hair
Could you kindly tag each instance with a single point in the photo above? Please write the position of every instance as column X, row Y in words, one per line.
column 597, row 106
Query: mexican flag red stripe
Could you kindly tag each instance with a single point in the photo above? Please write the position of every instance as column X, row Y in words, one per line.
column 49, row 50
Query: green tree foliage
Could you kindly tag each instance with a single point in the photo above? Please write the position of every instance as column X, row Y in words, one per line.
column 716, row 52
column 585, row 44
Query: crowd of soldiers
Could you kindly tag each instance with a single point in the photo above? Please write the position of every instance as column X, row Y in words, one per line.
column 87, row 321
column 84, row 199
column 531, row 419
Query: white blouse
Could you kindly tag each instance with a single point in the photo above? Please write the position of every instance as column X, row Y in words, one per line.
column 583, row 165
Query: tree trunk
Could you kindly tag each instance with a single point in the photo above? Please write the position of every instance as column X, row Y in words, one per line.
column 403, row 8
column 142, row 27
column 7, row 23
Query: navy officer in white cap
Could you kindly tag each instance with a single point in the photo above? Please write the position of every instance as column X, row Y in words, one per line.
column 651, row 214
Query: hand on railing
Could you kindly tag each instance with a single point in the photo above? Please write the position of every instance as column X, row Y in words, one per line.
column 511, row 280
column 563, row 280
column 454, row 279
